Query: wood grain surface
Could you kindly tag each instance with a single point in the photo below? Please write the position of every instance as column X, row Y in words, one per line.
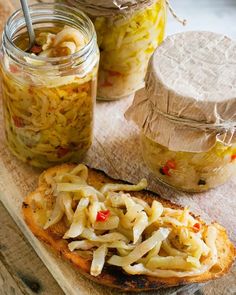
column 115, row 150
column 21, row 271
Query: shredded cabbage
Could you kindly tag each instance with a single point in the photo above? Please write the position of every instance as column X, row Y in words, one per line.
column 146, row 246
column 126, row 42
column 140, row 224
column 98, row 260
column 118, row 187
column 79, row 220
column 57, row 213
column 142, row 239
column 193, row 172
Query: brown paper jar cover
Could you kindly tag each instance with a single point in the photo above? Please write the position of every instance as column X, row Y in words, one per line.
column 189, row 99
column 111, row 7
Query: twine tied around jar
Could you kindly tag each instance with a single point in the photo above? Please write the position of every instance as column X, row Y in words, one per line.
column 112, row 7
column 178, row 133
column 180, row 20
column 221, row 127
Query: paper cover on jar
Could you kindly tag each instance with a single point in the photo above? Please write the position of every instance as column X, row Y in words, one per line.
column 189, row 101
column 111, row 7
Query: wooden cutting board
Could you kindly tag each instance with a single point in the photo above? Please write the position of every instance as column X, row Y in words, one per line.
column 115, row 150
column 16, row 181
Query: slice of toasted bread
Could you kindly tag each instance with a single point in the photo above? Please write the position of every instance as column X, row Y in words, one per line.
column 34, row 214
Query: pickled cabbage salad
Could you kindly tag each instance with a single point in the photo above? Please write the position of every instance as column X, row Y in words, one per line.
column 126, row 43
column 48, row 119
column 110, row 225
column 58, row 43
column 194, row 172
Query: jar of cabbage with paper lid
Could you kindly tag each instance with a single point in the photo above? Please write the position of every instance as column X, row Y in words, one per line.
column 186, row 112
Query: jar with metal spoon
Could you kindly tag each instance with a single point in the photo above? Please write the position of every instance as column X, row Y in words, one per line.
column 49, row 93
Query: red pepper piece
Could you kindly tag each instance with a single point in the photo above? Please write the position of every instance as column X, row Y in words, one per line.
column 106, row 84
column 197, row 227
column 114, row 73
column 30, row 90
column 165, row 170
column 103, row 215
column 14, row 69
column 36, row 49
column 18, row 122
column 171, row 164
column 62, row 151
column 233, row 157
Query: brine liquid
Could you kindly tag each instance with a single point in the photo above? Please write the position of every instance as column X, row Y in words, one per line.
column 22, row 40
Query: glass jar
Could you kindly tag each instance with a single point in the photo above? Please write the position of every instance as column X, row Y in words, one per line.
column 127, row 36
column 48, row 102
column 193, row 172
column 186, row 112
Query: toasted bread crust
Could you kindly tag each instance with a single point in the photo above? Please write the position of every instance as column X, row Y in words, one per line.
column 113, row 276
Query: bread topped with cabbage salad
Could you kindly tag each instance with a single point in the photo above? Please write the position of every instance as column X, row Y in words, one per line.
column 122, row 235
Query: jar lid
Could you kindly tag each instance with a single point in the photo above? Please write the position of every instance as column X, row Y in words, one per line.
column 110, row 7
column 189, row 100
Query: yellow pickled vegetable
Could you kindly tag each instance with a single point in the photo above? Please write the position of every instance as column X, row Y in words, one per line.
column 126, row 42
column 48, row 115
column 190, row 171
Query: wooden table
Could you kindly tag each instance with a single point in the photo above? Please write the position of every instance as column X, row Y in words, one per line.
column 21, row 271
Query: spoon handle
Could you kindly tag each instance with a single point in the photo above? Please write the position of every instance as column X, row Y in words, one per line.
column 28, row 22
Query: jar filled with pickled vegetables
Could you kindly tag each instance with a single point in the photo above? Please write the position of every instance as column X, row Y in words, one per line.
column 128, row 33
column 186, row 112
column 49, row 89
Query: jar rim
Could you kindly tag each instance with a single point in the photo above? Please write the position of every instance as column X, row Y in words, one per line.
column 46, row 9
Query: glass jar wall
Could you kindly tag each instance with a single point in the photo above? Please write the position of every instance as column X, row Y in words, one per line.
column 126, row 38
column 48, row 99
column 188, row 171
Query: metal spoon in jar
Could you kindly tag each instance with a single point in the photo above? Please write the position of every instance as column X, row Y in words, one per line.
column 28, row 21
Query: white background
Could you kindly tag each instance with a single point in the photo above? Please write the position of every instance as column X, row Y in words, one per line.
column 211, row 15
